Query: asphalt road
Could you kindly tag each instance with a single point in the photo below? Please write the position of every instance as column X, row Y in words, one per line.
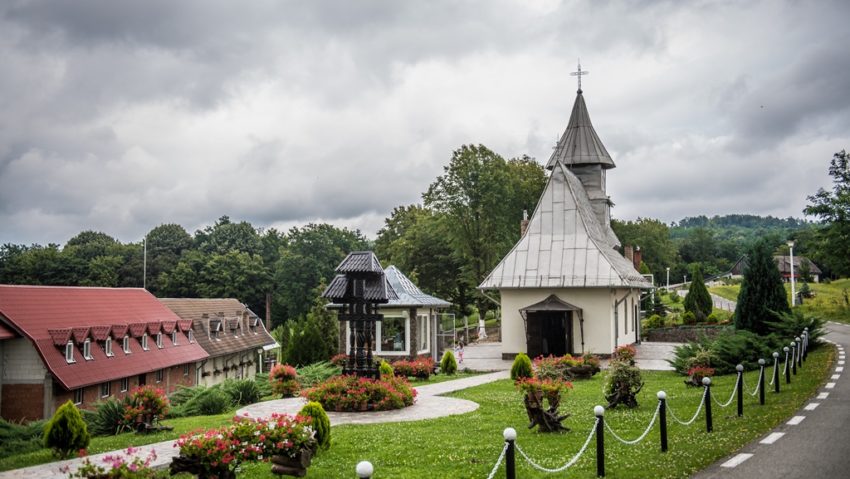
column 817, row 447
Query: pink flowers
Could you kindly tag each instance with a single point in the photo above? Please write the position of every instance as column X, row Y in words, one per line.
column 118, row 467
column 350, row 393
column 284, row 380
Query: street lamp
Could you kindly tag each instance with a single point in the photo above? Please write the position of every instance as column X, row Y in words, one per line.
column 793, row 289
column 668, row 279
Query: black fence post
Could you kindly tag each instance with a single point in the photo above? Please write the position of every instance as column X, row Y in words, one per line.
column 787, row 367
column 510, row 454
column 805, row 344
column 708, row 423
column 740, row 389
column 775, row 372
column 761, row 382
column 794, row 358
column 799, row 352
column 364, row 470
column 599, row 411
column 662, row 419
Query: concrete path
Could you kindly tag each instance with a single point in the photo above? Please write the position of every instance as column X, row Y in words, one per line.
column 720, row 302
column 653, row 356
column 484, row 357
column 815, row 443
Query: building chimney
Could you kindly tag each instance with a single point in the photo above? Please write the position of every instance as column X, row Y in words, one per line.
column 628, row 252
column 638, row 258
column 523, row 225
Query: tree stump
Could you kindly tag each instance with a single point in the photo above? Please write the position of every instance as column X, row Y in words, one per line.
column 548, row 420
column 624, row 395
column 284, row 465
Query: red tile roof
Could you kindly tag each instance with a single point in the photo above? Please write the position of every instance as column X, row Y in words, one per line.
column 50, row 316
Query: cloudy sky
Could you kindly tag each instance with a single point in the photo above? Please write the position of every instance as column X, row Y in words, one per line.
column 119, row 116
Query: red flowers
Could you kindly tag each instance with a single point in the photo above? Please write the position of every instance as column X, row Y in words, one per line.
column 421, row 367
column 284, row 380
column 350, row 393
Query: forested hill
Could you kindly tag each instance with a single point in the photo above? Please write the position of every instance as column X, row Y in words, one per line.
column 751, row 222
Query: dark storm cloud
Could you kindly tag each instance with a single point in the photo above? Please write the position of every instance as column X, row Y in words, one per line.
column 119, row 116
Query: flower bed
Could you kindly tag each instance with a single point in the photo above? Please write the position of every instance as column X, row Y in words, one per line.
column 217, row 452
column 420, row 368
column 350, row 393
column 118, row 467
column 144, row 407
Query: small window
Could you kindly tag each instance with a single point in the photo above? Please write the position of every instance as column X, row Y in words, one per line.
column 87, row 350
column 159, row 375
column 107, row 347
column 78, row 396
column 159, row 340
column 145, row 342
column 126, row 344
column 125, row 384
column 191, row 336
column 174, row 337
column 105, row 389
column 69, row 353
column 185, row 369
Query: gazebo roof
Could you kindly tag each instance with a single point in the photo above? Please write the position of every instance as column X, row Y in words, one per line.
column 407, row 293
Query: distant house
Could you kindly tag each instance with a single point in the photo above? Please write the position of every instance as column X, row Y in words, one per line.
column 784, row 265
column 409, row 324
column 87, row 345
column 231, row 334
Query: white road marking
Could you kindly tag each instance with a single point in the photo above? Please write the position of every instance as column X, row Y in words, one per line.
column 830, row 385
column 823, row 395
column 811, row 406
column 841, row 363
column 839, row 369
column 796, row 420
column 835, row 376
column 772, row 437
column 736, row 460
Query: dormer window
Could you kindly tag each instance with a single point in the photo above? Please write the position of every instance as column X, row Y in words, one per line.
column 125, row 344
column 159, row 340
column 145, row 342
column 174, row 337
column 87, row 350
column 191, row 336
column 107, row 347
column 69, row 353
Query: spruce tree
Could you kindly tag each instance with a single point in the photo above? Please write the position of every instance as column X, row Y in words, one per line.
column 698, row 301
column 762, row 294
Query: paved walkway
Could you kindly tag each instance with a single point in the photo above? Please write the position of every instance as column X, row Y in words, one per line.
column 814, row 443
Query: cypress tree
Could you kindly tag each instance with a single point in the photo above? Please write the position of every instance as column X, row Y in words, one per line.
column 698, row 301
column 762, row 294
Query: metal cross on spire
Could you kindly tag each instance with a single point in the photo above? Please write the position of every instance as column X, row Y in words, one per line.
column 578, row 74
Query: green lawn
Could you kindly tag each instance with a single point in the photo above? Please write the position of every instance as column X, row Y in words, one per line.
column 829, row 302
column 466, row 446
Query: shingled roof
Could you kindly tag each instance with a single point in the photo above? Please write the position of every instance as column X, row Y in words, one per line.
column 408, row 294
column 241, row 329
column 45, row 314
column 564, row 245
column 580, row 145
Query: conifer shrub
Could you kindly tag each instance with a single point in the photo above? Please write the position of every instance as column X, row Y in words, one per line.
column 320, row 422
column 521, row 368
column 386, row 369
column 208, row 402
column 66, row 432
column 448, row 365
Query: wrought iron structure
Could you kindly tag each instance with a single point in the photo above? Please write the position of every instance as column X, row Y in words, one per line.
column 359, row 287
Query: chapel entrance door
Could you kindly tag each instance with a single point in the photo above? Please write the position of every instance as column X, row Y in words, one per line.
column 549, row 333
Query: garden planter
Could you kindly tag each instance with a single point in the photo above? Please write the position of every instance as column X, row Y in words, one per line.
column 285, row 465
column 582, row 372
column 193, row 465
